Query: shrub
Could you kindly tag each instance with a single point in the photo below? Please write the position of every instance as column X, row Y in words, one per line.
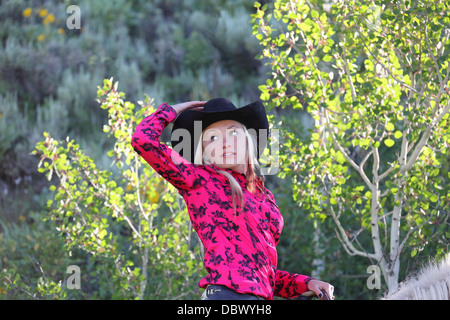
column 124, row 217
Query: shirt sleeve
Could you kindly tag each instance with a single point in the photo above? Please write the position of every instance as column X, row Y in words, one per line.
column 290, row 285
column 182, row 174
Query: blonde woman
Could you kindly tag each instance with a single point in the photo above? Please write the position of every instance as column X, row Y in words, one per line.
column 216, row 172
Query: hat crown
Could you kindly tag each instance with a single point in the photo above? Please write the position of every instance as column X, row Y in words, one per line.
column 218, row 105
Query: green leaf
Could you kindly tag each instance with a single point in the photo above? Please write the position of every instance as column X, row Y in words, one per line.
column 390, row 127
column 434, row 198
column 389, row 142
column 265, row 96
column 327, row 58
column 340, row 158
column 102, row 233
column 398, row 134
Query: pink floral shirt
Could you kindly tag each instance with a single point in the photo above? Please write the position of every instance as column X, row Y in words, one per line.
column 240, row 250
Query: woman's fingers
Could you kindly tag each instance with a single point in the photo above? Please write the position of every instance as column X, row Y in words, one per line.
column 326, row 292
column 323, row 290
column 194, row 105
column 197, row 104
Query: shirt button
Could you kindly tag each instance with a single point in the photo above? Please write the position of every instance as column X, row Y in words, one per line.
column 266, row 220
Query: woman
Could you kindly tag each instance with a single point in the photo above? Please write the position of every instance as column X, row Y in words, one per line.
column 234, row 215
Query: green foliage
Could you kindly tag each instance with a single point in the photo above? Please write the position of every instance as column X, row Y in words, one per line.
column 363, row 70
column 23, row 245
column 172, row 51
column 124, row 216
column 374, row 76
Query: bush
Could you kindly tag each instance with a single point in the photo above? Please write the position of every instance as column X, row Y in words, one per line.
column 127, row 217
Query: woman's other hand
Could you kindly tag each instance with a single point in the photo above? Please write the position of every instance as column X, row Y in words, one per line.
column 321, row 289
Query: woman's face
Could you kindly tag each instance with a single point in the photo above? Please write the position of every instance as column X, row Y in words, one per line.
column 225, row 145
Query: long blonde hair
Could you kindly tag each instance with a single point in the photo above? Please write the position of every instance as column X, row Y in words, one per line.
column 253, row 171
column 251, row 175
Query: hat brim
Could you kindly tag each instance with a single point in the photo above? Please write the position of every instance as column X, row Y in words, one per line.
column 194, row 122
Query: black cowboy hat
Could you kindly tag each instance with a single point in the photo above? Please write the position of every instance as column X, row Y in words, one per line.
column 253, row 116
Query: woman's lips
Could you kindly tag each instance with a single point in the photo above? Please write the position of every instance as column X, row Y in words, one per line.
column 228, row 154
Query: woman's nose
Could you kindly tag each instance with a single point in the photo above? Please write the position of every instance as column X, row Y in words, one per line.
column 228, row 142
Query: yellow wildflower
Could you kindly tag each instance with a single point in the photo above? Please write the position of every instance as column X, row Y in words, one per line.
column 129, row 187
column 61, row 31
column 42, row 12
column 49, row 19
column 40, row 37
column 153, row 197
column 27, row 12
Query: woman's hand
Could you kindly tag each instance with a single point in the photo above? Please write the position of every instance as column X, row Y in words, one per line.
column 196, row 105
column 317, row 286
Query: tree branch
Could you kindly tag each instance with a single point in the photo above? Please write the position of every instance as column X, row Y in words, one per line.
column 395, row 249
column 417, row 150
column 343, row 238
column 431, row 52
column 144, row 272
column 400, row 248
column 347, row 72
column 384, row 66
column 341, row 149
column 374, row 203
column 138, row 192
column 366, row 157
column 443, row 113
column 423, row 140
column 116, row 208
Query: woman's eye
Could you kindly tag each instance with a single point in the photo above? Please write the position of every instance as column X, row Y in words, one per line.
column 213, row 138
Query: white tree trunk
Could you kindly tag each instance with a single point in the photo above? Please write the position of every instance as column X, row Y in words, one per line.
column 319, row 260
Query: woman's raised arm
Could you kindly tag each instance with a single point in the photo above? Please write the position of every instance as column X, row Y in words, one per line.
column 168, row 163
